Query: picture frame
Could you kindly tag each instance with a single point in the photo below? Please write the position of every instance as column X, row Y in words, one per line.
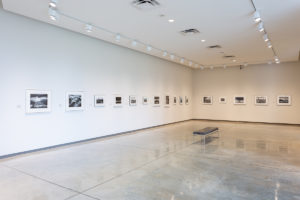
column 38, row 101
column 99, row 101
column 174, row 100
column 284, row 100
column 180, row 100
column 156, row 100
column 145, row 100
column 75, row 101
column 222, row 100
column 187, row 100
column 207, row 100
column 132, row 100
column 239, row 100
column 261, row 100
column 167, row 100
column 118, row 100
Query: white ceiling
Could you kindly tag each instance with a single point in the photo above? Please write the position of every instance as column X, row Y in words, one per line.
column 227, row 23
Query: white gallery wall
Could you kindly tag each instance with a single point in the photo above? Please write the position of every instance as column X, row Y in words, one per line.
column 255, row 80
column 39, row 56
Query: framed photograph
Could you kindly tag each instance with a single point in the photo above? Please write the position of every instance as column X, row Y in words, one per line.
column 156, row 100
column 261, row 100
column 239, row 100
column 174, row 100
column 38, row 101
column 118, row 100
column 207, row 100
column 180, row 100
column 99, row 101
column 145, row 100
column 74, row 101
column 187, row 101
column 167, row 100
column 284, row 100
column 222, row 100
column 132, row 100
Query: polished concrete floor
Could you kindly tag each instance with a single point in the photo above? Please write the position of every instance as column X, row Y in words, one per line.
column 246, row 161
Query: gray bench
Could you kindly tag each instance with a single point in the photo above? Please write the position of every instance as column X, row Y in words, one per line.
column 206, row 131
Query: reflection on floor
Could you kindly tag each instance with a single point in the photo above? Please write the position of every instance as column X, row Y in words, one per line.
column 247, row 161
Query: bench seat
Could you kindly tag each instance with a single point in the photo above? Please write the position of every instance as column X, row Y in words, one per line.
column 206, row 131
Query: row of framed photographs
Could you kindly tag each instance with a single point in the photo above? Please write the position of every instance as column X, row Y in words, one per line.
column 282, row 100
column 38, row 101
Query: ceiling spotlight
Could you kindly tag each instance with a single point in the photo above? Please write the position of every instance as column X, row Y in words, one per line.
column 190, row 63
column 172, row 56
column 256, row 17
column 260, row 27
column 269, row 45
column 182, row 60
column 224, row 66
column 278, row 62
column 134, row 43
column 53, row 14
column 203, row 40
column 266, row 39
column 88, row 28
column 53, row 4
column 118, row 38
column 233, row 60
column 171, row 20
column 165, row 54
column 149, row 48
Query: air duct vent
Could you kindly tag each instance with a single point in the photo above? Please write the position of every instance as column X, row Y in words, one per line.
column 214, row 47
column 190, row 31
column 145, row 4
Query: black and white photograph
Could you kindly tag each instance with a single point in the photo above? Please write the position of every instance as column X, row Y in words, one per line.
column 222, row 100
column 132, row 100
column 187, row 101
column 284, row 100
column 174, row 100
column 207, row 100
column 180, row 100
column 167, row 100
column 261, row 100
column 156, row 100
column 99, row 101
column 74, row 101
column 117, row 100
column 239, row 100
column 145, row 100
column 38, row 101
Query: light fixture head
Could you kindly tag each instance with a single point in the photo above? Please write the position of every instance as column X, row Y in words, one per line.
column 172, row 56
column 165, row 54
column 260, row 27
column 88, row 28
column 233, row 60
column 118, row 37
column 203, row 40
column 278, row 62
column 149, row 48
column 269, row 45
column 224, row 66
column 182, row 60
column 134, row 43
column 53, row 14
column 53, row 4
column 171, row 20
column 266, row 39
column 256, row 17
column 190, row 63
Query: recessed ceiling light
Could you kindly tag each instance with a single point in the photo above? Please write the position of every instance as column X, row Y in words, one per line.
column 118, row 38
column 171, row 20
column 134, row 43
column 203, row 40
column 233, row 60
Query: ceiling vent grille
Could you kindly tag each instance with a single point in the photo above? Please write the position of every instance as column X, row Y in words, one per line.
column 214, row 47
column 145, row 4
column 190, row 31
